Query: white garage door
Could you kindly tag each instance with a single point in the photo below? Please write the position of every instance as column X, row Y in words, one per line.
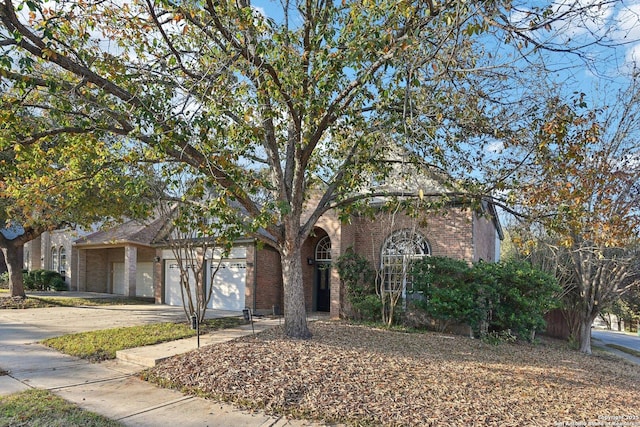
column 172, row 293
column 228, row 284
column 144, row 279
column 118, row 278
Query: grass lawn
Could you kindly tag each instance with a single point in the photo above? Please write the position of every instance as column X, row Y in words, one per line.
column 365, row 376
column 7, row 302
column 42, row 408
column 103, row 344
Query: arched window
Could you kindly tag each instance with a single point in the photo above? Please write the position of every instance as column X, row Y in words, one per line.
column 323, row 250
column 400, row 248
column 54, row 259
column 62, row 268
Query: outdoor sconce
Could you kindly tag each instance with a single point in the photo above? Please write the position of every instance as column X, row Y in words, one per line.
column 156, row 259
column 309, row 261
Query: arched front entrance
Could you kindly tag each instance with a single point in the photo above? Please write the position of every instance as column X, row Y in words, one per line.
column 322, row 274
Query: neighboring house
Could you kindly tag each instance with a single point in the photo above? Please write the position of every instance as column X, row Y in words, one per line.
column 133, row 259
column 54, row 251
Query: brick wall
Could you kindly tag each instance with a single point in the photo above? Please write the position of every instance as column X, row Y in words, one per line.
column 38, row 252
column 33, row 254
column 268, row 280
column 449, row 234
column 96, row 271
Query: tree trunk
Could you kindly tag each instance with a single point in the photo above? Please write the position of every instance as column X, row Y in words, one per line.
column 584, row 334
column 295, row 314
column 13, row 256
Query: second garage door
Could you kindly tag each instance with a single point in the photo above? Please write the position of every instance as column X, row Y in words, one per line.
column 144, row 279
column 229, row 283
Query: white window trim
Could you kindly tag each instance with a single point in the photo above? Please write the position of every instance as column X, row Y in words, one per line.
column 323, row 250
column 399, row 249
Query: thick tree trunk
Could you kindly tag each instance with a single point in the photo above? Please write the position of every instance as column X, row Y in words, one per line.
column 13, row 256
column 584, row 333
column 295, row 314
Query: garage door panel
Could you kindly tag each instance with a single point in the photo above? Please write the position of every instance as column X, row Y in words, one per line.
column 228, row 292
column 144, row 279
column 118, row 278
column 173, row 294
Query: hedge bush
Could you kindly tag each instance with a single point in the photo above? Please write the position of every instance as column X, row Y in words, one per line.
column 43, row 280
column 525, row 294
column 4, row 280
column 446, row 291
column 359, row 283
column 509, row 296
column 495, row 300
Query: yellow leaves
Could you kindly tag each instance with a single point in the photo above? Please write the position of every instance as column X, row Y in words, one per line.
column 48, row 54
column 248, row 115
column 566, row 241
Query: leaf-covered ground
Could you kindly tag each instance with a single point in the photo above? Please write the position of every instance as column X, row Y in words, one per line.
column 359, row 375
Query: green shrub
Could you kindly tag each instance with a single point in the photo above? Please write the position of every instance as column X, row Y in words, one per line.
column 525, row 295
column 4, row 280
column 510, row 297
column 43, row 280
column 28, row 280
column 499, row 337
column 58, row 284
column 359, row 283
column 448, row 292
column 368, row 307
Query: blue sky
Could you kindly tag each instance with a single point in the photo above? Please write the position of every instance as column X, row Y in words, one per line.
column 614, row 23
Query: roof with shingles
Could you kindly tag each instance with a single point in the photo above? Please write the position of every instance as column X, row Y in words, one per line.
column 132, row 231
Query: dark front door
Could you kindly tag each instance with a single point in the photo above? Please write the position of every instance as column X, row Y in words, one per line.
column 323, row 288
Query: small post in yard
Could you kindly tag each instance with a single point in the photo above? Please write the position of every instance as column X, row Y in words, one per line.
column 248, row 317
column 195, row 325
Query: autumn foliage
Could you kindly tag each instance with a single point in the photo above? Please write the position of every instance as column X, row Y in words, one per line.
column 580, row 194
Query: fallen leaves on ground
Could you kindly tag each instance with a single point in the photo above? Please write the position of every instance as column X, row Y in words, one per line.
column 359, row 375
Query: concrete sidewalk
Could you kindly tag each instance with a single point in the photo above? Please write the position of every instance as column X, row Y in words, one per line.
column 113, row 388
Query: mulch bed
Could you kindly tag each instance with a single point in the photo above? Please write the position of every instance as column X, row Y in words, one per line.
column 364, row 376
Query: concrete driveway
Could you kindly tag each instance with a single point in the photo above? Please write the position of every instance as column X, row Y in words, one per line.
column 49, row 322
column 111, row 388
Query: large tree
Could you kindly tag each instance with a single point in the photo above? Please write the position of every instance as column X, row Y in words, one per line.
column 55, row 176
column 582, row 187
column 270, row 105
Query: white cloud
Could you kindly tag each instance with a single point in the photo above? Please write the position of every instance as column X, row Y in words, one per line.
column 495, row 147
column 627, row 23
column 632, row 57
column 592, row 17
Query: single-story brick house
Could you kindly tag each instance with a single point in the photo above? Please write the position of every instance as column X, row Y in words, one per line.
column 133, row 258
column 129, row 259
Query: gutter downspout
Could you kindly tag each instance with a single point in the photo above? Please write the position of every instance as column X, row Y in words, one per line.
column 255, row 273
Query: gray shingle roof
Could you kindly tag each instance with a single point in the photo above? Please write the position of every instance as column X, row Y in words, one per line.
column 132, row 231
